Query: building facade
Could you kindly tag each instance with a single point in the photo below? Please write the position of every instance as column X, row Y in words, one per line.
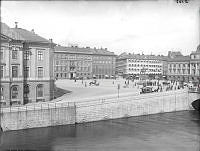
column 179, row 68
column 195, row 65
column 71, row 62
column 26, row 67
column 135, row 64
column 184, row 68
column 74, row 62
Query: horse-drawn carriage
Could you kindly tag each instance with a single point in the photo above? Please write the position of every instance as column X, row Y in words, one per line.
column 94, row 83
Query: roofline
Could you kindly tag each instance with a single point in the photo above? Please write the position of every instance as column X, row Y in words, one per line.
column 85, row 53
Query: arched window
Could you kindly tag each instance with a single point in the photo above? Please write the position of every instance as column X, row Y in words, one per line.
column 14, row 92
column 40, row 90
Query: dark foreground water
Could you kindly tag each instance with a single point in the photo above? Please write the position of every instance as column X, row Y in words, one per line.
column 178, row 131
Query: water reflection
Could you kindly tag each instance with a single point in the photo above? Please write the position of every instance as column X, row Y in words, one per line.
column 167, row 131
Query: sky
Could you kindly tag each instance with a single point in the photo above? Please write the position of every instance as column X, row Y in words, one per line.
column 149, row 27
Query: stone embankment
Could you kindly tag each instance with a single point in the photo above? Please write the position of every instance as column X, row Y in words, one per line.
column 44, row 115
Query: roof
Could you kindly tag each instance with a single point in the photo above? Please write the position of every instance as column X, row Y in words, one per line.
column 142, row 57
column 179, row 59
column 83, row 50
column 21, row 34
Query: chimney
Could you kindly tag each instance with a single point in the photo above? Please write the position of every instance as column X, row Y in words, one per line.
column 33, row 31
column 51, row 40
column 16, row 24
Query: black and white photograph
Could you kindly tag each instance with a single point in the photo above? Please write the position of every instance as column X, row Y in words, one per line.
column 97, row 75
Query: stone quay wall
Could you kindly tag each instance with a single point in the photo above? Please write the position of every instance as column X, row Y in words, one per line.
column 53, row 114
column 37, row 116
column 135, row 106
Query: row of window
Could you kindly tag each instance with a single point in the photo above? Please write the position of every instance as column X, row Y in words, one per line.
column 15, row 91
column 179, row 65
column 179, row 71
column 65, row 75
column 151, row 70
column 195, row 56
column 67, row 68
column 104, row 62
column 15, row 71
column 27, row 54
column 144, row 65
column 146, row 61
column 77, row 63
column 72, row 57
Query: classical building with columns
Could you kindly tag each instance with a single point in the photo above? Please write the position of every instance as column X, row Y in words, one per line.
column 75, row 62
column 195, row 65
column 179, row 68
column 26, row 67
column 184, row 68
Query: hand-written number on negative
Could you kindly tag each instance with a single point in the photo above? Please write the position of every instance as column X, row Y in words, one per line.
column 182, row 1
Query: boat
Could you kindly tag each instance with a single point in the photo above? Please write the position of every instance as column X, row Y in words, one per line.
column 196, row 104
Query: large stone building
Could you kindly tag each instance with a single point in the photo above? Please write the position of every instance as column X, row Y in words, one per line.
column 178, row 67
column 26, row 67
column 136, row 64
column 184, row 68
column 75, row 62
column 195, row 65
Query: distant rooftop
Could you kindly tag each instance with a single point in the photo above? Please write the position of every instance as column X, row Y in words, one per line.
column 174, row 54
column 179, row 59
column 141, row 56
column 85, row 50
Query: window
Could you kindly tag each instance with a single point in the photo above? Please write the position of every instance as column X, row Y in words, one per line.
column 14, row 92
column 14, row 71
column 26, row 89
column 40, row 55
column 14, row 54
column 40, row 90
column 27, row 55
column 26, row 72
column 40, row 72
column 1, row 71
column 2, row 97
column 1, row 55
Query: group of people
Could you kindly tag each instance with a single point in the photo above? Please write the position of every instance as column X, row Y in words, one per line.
column 157, row 85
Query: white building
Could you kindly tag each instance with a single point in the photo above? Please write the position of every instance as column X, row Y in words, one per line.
column 135, row 64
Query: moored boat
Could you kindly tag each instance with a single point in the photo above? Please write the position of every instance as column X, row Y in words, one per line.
column 196, row 104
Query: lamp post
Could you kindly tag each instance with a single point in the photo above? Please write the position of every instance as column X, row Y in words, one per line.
column 118, row 87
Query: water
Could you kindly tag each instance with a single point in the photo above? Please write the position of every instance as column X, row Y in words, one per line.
column 178, row 131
